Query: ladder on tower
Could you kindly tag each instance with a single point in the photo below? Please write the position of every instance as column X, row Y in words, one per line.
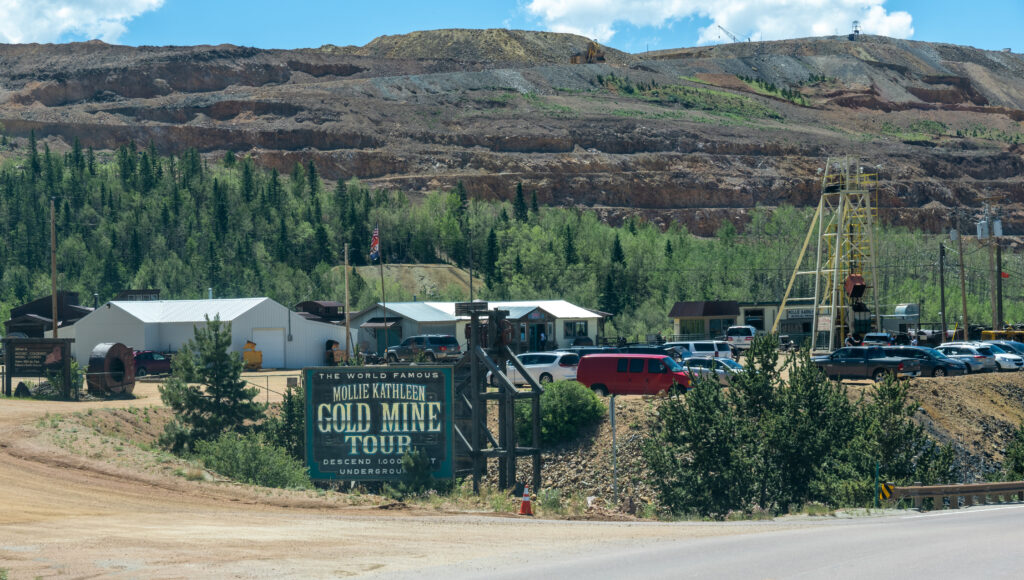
column 844, row 271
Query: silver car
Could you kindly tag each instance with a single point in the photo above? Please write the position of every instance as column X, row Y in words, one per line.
column 1006, row 359
column 544, row 367
column 977, row 360
column 723, row 368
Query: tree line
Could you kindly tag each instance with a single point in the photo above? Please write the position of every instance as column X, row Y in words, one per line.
column 135, row 218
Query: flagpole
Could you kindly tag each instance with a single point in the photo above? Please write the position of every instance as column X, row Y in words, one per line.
column 348, row 320
column 384, row 301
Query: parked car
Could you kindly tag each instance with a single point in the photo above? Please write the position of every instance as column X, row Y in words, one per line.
column 631, row 374
column 676, row 353
column 865, row 362
column 740, row 337
column 148, row 362
column 877, row 339
column 976, row 360
column 705, row 348
column 587, row 350
column 933, row 362
column 543, row 367
column 723, row 368
column 1008, row 345
column 432, row 347
column 1005, row 360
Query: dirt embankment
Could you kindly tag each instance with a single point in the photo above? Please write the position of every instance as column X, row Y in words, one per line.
column 493, row 108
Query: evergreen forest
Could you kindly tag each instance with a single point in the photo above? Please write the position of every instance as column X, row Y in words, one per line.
column 136, row 218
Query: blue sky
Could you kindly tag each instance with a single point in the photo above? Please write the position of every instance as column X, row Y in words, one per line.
column 630, row 25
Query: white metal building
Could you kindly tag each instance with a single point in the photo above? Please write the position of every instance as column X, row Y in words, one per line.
column 286, row 339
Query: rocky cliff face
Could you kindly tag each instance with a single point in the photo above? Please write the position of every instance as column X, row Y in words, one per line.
column 688, row 136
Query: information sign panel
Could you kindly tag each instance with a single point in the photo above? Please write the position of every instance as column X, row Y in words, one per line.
column 360, row 421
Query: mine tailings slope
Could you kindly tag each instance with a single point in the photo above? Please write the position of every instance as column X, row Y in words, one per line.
column 693, row 135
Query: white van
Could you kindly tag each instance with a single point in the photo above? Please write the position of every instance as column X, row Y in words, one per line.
column 705, row 348
column 740, row 337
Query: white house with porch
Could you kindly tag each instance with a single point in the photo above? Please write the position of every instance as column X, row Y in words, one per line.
column 560, row 323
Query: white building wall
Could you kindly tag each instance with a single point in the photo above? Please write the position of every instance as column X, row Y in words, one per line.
column 309, row 342
column 106, row 324
column 171, row 336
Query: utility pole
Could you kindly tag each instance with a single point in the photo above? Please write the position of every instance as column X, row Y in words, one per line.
column 963, row 280
column 942, row 287
column 999, row 280
column 53, row 265
column 991, row 229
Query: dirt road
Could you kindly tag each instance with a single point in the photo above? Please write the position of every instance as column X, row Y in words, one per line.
column 77, row 504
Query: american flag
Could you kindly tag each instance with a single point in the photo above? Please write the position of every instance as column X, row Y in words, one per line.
column 375, row 244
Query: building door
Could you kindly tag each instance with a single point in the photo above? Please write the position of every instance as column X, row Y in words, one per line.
column 536, row 332
column 270, row 341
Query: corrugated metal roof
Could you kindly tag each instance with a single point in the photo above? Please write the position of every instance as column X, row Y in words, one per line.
column 518, row 312
column 188, row 310
column 556, row 308
column 420, row 312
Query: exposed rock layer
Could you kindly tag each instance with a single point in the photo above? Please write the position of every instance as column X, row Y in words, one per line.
column 939, row 123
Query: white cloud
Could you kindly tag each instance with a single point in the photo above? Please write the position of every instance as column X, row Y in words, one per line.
column 757, row 19
column 50, row 20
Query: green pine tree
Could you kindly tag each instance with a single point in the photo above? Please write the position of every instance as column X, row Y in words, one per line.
column 206, row 391
column 519, row 204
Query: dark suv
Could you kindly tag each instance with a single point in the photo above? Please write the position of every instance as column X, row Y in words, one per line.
column 148, row 362
column 432, row 347
column 933, row 362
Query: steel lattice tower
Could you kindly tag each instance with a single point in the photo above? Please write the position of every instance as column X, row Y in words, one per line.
column 845, row 272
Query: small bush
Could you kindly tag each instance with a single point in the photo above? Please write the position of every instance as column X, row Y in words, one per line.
column 250, row 459
column 416, row 477
column 566, row 407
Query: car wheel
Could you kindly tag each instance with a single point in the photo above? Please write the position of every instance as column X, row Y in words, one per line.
column 939, row 372
column 879, row 375
column 600, row 390
column 140, row 372
column 430, row 357
column 392, row 357
column 545, row 378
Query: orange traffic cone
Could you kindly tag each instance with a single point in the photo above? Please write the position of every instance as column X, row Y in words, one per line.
column 525, row 508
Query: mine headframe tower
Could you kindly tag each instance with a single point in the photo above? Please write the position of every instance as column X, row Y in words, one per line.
column 845, row 270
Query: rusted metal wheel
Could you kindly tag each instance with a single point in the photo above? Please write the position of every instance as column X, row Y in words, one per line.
column 111, row 369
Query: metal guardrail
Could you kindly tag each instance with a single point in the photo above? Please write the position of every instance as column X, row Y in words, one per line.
column 972, row 493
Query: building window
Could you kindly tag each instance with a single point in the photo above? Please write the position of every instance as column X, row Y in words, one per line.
column 691, row 327
column 574, row 328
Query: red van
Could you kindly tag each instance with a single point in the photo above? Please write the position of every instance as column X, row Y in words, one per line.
column 630, row 374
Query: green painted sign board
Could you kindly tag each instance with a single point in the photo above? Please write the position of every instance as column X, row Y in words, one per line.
column 360, row 421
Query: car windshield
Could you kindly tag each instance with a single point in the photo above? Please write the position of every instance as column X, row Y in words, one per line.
column 933, row 352
column 984, row 350
column 730, row 363
column 1017, row 347
column 738, row 331
column 672, row 364
column 994, row 348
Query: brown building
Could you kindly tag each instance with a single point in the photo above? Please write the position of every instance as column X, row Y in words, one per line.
column 35, row 319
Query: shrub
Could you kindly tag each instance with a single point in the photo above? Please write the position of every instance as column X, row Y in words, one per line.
column 250, row 459
column 287, row 427
column 416, row 477
column 566, row 407
column 770, row 443
column 1013, row 464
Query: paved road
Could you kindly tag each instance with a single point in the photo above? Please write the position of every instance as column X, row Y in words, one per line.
column 980, row 542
